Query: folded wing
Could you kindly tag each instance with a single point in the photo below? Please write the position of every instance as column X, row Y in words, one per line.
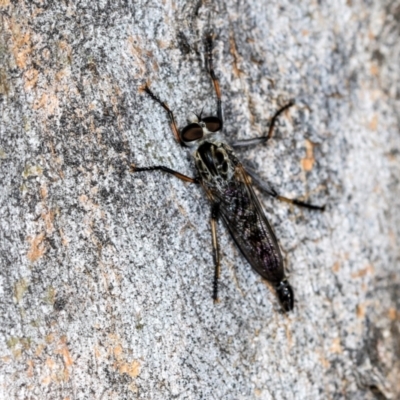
column 246, row 221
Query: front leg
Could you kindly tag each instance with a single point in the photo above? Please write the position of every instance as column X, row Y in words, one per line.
column 210, row 68
column 262, row 139
column 171, row 117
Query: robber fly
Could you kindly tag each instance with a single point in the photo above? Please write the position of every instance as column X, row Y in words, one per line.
column 228, row 187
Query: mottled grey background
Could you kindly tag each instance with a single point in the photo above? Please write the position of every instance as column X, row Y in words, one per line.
column 106, row 276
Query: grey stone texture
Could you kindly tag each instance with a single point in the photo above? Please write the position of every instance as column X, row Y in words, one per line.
column 106, row 275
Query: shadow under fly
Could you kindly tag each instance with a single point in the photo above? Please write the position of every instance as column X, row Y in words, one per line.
column 228, row 187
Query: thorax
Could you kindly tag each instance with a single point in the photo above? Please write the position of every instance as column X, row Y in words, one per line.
column 216, row 163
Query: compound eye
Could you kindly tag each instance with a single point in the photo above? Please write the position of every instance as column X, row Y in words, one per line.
column 213, row 124
column 192, row 132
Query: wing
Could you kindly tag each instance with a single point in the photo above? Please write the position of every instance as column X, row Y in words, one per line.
column 246, row 221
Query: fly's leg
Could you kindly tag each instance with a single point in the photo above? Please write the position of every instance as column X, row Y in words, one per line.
column 171, row 117
column 296, row 202
column 217, row 270
column 262, row 139
column 167, row 170
column 267, row 189
column 210, row 67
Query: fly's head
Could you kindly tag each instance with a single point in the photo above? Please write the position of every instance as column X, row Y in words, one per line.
column 285, row 295
column 198, row 130
column 211, row 157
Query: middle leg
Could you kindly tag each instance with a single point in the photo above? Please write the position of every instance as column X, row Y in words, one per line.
column 167, row 170
column 272, row 192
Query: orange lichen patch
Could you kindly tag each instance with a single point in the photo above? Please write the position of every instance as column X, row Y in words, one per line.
column 64, row 239
column 114, row 337
column 63, row 45
column 60, row 376
column 154, row 65
column 114, row 100
column 61, row 74
column 67, row 357
column 117, row 351
column 377, row 189
column 360, row 311
column 21, row 46
column 48, row 102
column 29, row 371
column 233, row 50
column 373, row 124
column 369, row 269
column 374, row 70
column 288, row 335
column 308, row 161
column 43, row 191
column 48, row 218
column 46, row 53
column 364, row 287
column 87, row 203
column 336, row 266
column 97, row 353
column 31, row 77
column 17, row 352
column 36, row 11
column 56, row 371
column 66, row 49
column 46, row 380
column 63, row 350
column 336, row 346
column 4, row 3
column 80, row 112
column 131, row 368
column 325, row 363
column 37, row 247
column 137, row 53
column 163, row 44
column 92, row 106
column 39, row 350
column 49, row 338
column 392, row 314
column 50, row 363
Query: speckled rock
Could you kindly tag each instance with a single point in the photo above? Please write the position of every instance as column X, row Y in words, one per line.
column 106, row 276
